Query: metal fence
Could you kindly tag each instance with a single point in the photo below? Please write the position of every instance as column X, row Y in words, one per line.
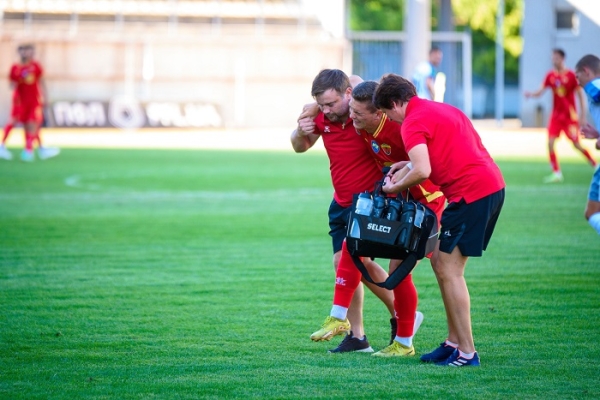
column 377, row 53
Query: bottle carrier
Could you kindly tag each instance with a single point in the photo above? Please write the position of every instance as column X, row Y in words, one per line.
column 409, row 235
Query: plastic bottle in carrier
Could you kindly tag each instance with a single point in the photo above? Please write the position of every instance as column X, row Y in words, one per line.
column 378, row 206
column 394, row 208
column 364, row 204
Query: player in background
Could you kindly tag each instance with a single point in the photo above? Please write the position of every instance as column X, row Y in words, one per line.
column 443, row 146
column 564, row 117
column 383, row 140
column 353, row 170
column 587, row 71
column 27, row 83
column 424, row 77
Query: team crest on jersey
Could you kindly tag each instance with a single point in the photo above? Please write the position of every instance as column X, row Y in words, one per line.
column 326, row 129
column 375, row 146
column 387, row 149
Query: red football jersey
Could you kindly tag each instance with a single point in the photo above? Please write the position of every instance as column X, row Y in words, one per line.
column 387, row 148
column 460, row 164
column 353, row 170
column 563, row 86
column 27, row 77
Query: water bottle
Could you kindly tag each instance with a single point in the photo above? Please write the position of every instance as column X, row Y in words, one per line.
column 394, row 209
column 364, row 204
column 378, row 206
column 407, row 224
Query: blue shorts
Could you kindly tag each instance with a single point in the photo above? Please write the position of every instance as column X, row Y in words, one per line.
column 338, row 224
column 594, row 194
column 470, row 226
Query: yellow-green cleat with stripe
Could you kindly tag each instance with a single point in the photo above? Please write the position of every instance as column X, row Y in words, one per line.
column 330, row 328
column 396, row 349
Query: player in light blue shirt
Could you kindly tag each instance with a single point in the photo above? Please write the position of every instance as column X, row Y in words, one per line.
column 587, row 71
column 425, row 72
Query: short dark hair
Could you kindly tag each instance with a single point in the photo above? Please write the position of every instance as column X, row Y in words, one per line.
column 330, row 79
column 560, row 52
column 434, row 49
column 363, row 93
column 393, row 89
column 589, row 61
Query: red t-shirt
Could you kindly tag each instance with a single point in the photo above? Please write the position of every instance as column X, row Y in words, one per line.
column 27, row 77
column 387, row 148
column 460, row 164
column 353, row 170
column 563, row 86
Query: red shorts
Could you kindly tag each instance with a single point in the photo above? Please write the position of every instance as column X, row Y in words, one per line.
column 29, row 113
column 570, row 128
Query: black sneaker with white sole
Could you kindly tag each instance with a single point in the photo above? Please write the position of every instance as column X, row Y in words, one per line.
column 351, row 343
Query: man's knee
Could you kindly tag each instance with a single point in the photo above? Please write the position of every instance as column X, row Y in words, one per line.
column 592, row 207
column 594, row 221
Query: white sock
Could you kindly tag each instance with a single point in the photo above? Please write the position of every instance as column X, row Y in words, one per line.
column 406, row 341
column 468, row 356
column 339, row 312
column 451, row 344
column 595, row 222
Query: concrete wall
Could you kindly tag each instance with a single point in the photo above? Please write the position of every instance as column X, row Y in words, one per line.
column 254, row 75
column 540, row 36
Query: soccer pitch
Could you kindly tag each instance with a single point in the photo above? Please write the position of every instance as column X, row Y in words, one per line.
column 135, row 274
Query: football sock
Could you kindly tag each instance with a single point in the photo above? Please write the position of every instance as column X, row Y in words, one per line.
column 347, row 279
column 405, row 307
column 7, row 130
column 468, row 356
column 589, row 157
column 37, row 136
column 554, row 163
column 451, row 344
column 29, row 142
column 594, row 221
column 406, row 341
column 339, row 312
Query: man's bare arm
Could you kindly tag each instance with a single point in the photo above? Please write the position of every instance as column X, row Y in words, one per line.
column 304, row 136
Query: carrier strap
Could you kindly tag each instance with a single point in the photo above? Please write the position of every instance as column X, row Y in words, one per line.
column 405, row 267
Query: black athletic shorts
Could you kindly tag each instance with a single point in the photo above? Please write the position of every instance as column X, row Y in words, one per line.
column 338, row 224
column 470, row 226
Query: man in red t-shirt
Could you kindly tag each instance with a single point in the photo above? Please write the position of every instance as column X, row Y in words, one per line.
column 564, row 118
column 444, row 147
column 26, row 78
column 353, row 170
column 383, row 140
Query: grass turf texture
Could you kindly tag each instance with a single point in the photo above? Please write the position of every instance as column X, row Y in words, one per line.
column 137, row 274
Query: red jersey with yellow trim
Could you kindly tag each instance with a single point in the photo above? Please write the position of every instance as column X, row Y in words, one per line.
column 460, row 164
column 353, row 170
column 387, row 148
column 27, row 77
column 563, row 86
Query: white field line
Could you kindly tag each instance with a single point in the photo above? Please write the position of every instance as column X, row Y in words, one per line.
column 510, row 141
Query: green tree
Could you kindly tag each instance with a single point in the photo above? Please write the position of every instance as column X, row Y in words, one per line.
column 376, row 15
column 479, row 16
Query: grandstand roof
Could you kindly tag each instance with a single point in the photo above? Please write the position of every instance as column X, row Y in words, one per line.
column 278, row 9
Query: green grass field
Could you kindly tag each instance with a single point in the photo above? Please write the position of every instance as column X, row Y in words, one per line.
column 137, row 274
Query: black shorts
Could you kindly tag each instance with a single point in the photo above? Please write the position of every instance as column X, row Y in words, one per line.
column 470, row 226
column 338, row 224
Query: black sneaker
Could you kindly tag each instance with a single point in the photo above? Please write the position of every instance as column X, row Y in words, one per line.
column 438, row 355
column 394, row 325
column 456, row 360
column 351, row 343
